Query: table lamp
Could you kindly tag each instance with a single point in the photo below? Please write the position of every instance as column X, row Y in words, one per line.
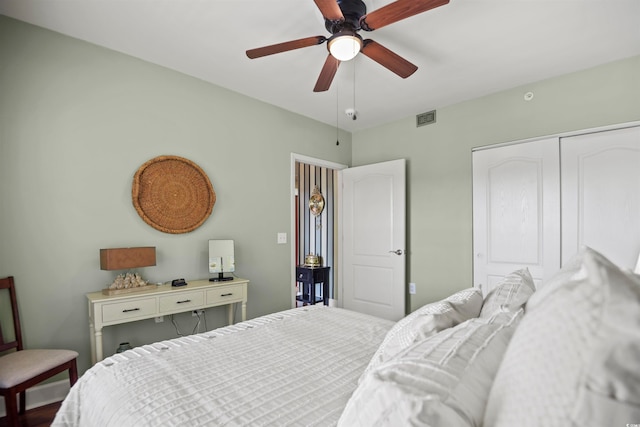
column 126, row 259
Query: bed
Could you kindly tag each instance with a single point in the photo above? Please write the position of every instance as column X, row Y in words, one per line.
column 297, row 367
column 564, row 355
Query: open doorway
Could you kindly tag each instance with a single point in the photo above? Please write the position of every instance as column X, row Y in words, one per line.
column 314, row 229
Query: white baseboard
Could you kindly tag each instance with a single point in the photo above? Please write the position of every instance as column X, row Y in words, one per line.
column 41, row 395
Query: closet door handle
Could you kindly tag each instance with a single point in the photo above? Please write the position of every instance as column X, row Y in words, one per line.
column 397, row 252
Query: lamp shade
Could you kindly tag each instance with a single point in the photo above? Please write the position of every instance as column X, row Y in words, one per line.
column 344, row 46
column 125, row 258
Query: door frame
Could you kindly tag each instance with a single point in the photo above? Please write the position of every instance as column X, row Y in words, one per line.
column 300, row 158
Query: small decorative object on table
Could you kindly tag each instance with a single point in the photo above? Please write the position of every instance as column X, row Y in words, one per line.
column 125, row 283
column 312, row 260
column 178, row 282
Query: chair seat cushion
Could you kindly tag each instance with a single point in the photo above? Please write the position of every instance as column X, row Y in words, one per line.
column 20, row 366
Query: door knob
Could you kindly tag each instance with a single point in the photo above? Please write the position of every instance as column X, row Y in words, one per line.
column 397, row 252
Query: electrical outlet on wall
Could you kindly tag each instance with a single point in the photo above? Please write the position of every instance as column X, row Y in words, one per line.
column 195, row 313
column 159, row 319
column 412, row 288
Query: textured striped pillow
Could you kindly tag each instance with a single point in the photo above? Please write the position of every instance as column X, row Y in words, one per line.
column 427, row 321
column 510, row 294
column 442, row 381
column 575, row 358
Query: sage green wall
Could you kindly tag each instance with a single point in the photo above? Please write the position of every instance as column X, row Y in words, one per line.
column 76, row 122
column 439, row 158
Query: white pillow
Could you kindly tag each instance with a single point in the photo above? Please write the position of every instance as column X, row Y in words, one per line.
column 442, row 381
column 511, row 293
column 427, row 321
column 575, row 358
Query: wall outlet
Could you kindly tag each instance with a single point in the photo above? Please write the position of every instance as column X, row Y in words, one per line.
column 282, row 238
column 412, row 288
column 195, row 313
column 159, row 319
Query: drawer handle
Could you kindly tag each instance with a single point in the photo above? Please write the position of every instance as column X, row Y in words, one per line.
column 183, row 301
column 130, row 309
column 226, row 295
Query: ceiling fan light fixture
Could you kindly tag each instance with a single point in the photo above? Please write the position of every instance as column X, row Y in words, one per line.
column 345, row 46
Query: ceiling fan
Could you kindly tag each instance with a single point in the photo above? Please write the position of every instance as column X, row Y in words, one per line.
column 343, row 19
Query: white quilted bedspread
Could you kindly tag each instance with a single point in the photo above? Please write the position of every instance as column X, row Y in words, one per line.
column 297, row 367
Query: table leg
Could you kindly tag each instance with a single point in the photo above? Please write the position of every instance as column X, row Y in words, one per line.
column 98, row 345
column 230, row 308
column 312, row 292
column 325, row 292
column 92, row 339
column 244, row 311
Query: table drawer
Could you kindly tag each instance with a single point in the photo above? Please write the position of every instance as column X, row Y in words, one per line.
column 225, row 294
column 128, row 310
column 181, row 302
column 304, row 275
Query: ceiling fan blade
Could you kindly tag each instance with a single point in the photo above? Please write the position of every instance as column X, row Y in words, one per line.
column 330, row 10
column 326, row 75
column 396, row 11
column 388, row 59
column 284, row 47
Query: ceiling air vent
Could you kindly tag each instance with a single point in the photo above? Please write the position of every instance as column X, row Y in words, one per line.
column 426, row 118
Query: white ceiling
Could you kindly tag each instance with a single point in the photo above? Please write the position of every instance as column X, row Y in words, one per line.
column 464, row 50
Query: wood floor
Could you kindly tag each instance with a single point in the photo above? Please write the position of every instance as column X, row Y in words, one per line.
column 36, row 417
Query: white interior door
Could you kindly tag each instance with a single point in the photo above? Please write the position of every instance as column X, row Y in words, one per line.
column 601, row 194
column 373, row 239
column 516, row 211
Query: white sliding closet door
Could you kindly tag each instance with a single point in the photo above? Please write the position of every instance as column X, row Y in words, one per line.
column 601, row 194
column 516, row 211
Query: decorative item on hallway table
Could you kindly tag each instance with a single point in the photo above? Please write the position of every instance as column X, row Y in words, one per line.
column 125, row 259
column 172, row 194
column 312, row 260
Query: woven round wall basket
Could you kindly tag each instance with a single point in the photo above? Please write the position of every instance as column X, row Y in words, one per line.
column 172, row 194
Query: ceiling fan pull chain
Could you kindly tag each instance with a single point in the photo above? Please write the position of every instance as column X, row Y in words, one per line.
column 337, row 109
column 354, row 91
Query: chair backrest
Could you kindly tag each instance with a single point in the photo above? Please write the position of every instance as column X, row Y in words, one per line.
column 8, row 284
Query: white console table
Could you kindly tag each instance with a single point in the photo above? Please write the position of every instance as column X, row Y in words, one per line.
column 107, row 310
